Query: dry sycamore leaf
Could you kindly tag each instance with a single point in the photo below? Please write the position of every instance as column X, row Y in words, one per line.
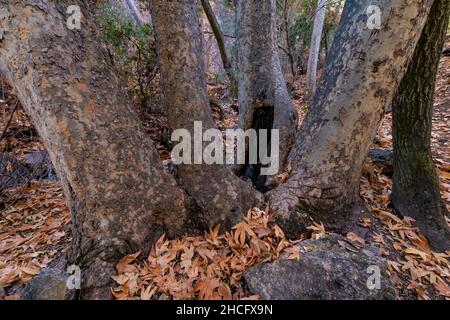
column 392, row 265
column 421, row 243
column 31, row 270
column 354, row 237
column 442, row 287
column 318, row 230
column 384, row 252
column 414, row 251
column 205, row 288
column 148, row 292
column 294, row 253
column 378, row 237
column 241, row 230
column 124, row 265
column 366, row 222
column 383, row 215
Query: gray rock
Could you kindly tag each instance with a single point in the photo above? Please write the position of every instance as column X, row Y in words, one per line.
column 383, row 158
column 2, row 292
column 40, row 165
column 49, row 284
column 12, row 172
column 325, row 271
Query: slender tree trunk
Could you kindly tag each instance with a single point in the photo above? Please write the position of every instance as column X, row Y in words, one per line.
column 135, row 13
column 262, row 87
column 286, row 35
column 222, row 197
column 118, row 194
column 415, row 183
column 314, row 50
column 209, row 12
column 359, row 83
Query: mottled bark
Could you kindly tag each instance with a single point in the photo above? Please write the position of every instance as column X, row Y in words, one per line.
column 415, row 183
column 314, row 48
column 358, row 84
column 115, row 186
column 222, row 197
column 209, row 12
column 260, row 79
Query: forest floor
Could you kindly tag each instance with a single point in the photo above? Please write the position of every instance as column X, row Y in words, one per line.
column 35, row 222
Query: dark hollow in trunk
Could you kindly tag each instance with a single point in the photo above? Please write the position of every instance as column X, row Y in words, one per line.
column 262, row 119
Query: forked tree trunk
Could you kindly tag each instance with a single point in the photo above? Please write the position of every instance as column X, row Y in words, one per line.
column 314, row 48
column 221, row 196
column 264, row 101
column 118, row 194
column 358, row 84
column 415, row 183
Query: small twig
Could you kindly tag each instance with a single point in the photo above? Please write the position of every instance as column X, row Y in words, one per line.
column 10, row 119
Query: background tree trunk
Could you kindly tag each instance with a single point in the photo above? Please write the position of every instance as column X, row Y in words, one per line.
column 209, row 12
column 135, row 13
column 415, row 183
column 222, row 197
column 314, row 49
column 119, row 196
column 261, row 83
column 358, row 84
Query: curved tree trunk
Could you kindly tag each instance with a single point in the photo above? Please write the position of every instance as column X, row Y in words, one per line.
column 358, row 84
column 264, row 101
column 209, row 12
column 119, row 196
column 415, row 183
column 314, row 49
column 222, row 197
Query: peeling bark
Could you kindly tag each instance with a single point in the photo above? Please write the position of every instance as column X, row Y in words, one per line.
column 416, row 190
column 358, row 84
column 222, row 197
column 115, row 186
column 261, row 81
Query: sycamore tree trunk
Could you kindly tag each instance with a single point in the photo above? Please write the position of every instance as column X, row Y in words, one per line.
column 222, row 197
column 120, row 198
column 358, row 84
column 264, row 101
column 314, row 49
column 415, row 183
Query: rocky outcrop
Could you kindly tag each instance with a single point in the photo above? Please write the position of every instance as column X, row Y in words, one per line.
column 325, row 271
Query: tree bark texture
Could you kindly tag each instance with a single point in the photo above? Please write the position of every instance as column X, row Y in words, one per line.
column 358, row 84
column 415, row 183
column 120, row 198
column 222, row 197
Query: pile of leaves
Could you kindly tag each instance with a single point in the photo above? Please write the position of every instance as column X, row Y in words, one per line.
column 205, row 267
column 412, row 265
column 33, row 230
